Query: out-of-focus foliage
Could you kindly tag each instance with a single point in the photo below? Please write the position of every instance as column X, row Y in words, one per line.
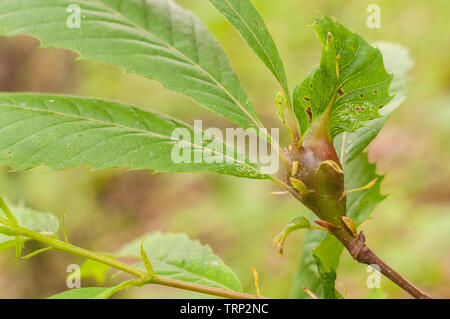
column 236, row 217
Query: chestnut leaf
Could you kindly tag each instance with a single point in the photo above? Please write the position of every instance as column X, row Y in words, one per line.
column 349, row 86
column 157, row 39
column 65, row 131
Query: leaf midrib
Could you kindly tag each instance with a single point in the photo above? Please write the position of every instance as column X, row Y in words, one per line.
column 186, row 271
column 257, row 40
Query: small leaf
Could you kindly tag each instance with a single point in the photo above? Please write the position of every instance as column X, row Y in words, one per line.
column 178, row 257
column 44, row 223
column 146, row 261
column 350, row 224
column 297, row 223
column 348, row 87
column 93, row 292
column 298, row 185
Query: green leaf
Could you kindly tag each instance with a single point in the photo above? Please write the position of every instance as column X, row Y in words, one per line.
column 248, row 22
column 44, row 223
column 64, row 131
column 295, row 224
column 397, row 61
column 178, row 257
column 348, row 87
column 93, row 292
column 327, row 255
column 157, row 39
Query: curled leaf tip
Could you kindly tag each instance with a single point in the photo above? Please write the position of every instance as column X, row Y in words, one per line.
column 296, row 223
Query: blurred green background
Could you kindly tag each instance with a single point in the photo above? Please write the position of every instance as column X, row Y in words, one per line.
column 237, row 217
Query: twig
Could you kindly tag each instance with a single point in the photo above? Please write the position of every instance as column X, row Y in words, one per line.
column 358, row 249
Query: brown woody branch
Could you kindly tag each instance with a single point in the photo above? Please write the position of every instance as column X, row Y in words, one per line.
column 357, row 248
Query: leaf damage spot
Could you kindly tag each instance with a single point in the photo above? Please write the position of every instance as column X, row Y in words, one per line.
column 309, row 113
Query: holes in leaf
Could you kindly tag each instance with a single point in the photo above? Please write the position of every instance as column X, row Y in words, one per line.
column 306, row 98
column 361, row 95
column 340, row 92
column 309, row 113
